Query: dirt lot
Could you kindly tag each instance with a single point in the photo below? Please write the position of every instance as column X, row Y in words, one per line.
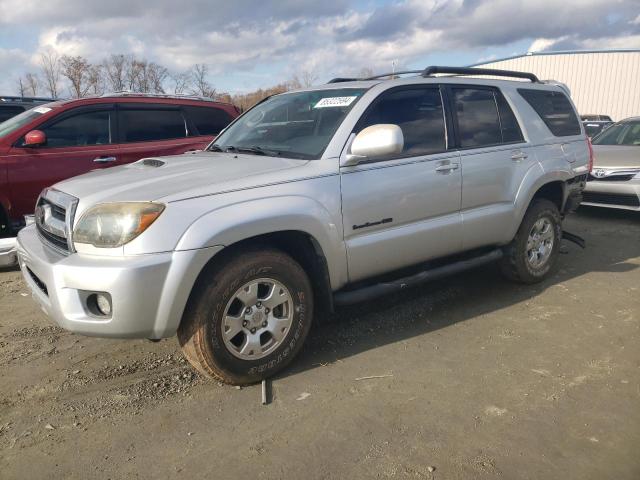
column 482, row 379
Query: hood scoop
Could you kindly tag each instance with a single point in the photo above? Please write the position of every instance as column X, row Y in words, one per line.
column 150, row 162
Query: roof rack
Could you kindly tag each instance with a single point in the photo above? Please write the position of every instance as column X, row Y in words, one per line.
column 434, row 69
column 127, row 93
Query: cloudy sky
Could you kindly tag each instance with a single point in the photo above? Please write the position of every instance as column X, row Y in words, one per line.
column 251, row 44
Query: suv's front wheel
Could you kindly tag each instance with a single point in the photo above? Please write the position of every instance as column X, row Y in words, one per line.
column 532, row 254
column 248, row 317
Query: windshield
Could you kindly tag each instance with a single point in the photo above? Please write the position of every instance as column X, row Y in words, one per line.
column 14, row 123
column 290, row 125
column 625, row 133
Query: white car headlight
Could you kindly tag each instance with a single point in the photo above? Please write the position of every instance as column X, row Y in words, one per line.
column 109, row 225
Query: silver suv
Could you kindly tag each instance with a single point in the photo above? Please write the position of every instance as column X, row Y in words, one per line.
column 313, row 198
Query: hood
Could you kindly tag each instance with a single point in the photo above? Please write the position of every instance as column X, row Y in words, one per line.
column 608, row 156
column 180, row 176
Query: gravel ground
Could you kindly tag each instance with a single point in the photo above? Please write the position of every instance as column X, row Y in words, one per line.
column 477, row 378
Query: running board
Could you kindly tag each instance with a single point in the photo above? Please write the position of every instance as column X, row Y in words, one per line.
column 370, row 291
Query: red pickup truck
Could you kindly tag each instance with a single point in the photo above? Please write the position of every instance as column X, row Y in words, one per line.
column 66, row 138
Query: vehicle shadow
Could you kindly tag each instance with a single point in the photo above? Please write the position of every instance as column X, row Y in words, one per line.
column 613, row 238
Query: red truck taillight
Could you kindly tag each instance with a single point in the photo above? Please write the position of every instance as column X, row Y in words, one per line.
column 591, row 155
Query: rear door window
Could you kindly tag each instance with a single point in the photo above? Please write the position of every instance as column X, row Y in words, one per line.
column 555, row 110
column 508, row 123
column 9, row 111
column 87, row 128
column 419, row 114
column 207, row 120
column 146, row 124
column 477, row 117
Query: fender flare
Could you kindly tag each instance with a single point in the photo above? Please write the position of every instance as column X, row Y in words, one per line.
column 241, row 221
column 533, row 181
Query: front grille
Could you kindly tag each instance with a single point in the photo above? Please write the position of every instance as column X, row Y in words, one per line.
column 611, row 199
column 41, row 285
column 57, row 211
column 52, row 212
column 612, row 178
column 55, row 240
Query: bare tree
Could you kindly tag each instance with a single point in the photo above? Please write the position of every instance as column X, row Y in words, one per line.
column 199, row 83
column 50, row 66
column 150, row 77
column 179, row 82
column 114, row 69
column 32, row 83
column 307, row 78
column 76, row 70
column 95, row 80
column 21, row 86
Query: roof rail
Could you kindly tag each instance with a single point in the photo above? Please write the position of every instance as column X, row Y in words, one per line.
column 343, row 79
column 126, row 93
column 433, row 70
column 393, row 74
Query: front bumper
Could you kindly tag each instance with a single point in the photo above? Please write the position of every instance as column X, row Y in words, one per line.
column 616, row 194
column 7, row 252
column 148, row 292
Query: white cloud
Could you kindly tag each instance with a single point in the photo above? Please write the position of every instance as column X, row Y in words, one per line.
column 266, row 41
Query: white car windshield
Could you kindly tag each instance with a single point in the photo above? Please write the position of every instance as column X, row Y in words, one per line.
column 291, row 125
column 623, row 133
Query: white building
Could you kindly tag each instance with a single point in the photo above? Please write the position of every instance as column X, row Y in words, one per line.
column 605, row 82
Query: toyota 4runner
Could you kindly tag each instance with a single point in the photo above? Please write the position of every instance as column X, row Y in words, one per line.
column 311, row 199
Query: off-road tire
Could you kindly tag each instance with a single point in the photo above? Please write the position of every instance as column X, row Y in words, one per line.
column 514, row 264
column 200, row 332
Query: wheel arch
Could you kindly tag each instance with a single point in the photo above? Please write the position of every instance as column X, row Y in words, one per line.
column 299, row 245
column 551, row 186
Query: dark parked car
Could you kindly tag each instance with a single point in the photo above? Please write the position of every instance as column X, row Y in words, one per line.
column 58, row 140
column 592, row 128
column 12, row 106
column 596, row 118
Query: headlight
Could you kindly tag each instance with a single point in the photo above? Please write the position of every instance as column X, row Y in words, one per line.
column 109, row 225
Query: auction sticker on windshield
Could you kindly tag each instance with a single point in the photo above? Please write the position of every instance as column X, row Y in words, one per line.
column 335, row 102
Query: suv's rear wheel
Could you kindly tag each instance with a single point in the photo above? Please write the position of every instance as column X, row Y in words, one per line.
column 532, row 254
column 248, row 318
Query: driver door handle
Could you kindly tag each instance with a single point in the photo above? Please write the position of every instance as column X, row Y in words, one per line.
column 518, row 155
column 447, row 167
column 104, row 159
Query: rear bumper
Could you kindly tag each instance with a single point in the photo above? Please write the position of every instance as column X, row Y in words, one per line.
column 148, row 292
column 8, row 257
column 617, row 194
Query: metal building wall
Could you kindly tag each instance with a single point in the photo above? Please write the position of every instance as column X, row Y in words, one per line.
column 600, row 82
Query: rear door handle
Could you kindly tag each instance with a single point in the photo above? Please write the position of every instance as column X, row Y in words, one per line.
column 518, row 155
column 104, row 159
column 447, row 167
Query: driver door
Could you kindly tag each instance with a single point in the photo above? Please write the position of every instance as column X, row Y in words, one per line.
column 78, row 141
column 405, row 209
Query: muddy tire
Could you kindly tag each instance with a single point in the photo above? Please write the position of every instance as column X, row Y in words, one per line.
column 532, row 254
column 248, row 316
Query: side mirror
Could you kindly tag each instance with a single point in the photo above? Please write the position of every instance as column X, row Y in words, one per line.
column 35, row 138
column 374, row 142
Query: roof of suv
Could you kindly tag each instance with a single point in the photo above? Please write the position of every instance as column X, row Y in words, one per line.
column 445, row 75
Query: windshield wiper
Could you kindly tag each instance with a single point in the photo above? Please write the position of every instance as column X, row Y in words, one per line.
column 215, row 148
column 255, row 150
